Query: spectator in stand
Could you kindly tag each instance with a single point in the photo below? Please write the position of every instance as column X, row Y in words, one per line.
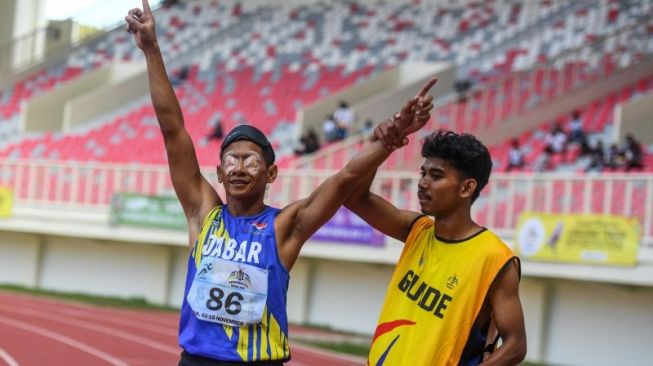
column 576, row 133
column 368, row 127
column 613, row 159
column 344, row 118
column 462, row 87
column 312, row 141
column 300, row 147
column 217, row 133
column 515, row 156
column 330, row 129
column 597, row 158
column 542, row 163
column 585, row 148
column 181, row 75
column 308, row 144
column 633, row 154
column 556, row 142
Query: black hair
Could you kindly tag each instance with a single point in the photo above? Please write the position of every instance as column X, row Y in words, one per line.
column 464, row 152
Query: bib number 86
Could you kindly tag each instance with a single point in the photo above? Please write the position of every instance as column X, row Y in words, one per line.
column 231, row 304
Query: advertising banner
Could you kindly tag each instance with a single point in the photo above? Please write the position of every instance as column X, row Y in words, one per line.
column 149, row 211
column 596, row 239
column 165, row 212
column 347, row 228
column 6, row 201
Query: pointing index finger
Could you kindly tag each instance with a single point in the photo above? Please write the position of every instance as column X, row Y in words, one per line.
column 425, row 88
column 146, row 7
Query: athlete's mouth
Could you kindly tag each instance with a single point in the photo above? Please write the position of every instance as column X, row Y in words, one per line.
column 422, row 196
column 238, row 182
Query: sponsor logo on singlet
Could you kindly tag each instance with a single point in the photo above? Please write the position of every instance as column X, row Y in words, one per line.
column 258, row 228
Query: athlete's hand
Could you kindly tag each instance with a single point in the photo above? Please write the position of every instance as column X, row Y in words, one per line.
column 388, row 132
column 413, row 116
column 141, row 25
column 416, row 112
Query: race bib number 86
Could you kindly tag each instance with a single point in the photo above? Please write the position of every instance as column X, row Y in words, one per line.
column 228, row 293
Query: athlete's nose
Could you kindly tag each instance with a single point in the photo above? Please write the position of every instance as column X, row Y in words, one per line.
column 238, row 167
column 422, row 184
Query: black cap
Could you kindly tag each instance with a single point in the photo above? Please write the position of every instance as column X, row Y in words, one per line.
column 253, row 134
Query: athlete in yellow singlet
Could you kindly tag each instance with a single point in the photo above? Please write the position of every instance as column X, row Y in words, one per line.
column 454, row 290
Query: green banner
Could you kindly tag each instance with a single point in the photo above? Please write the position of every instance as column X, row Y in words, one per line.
column 148, row 211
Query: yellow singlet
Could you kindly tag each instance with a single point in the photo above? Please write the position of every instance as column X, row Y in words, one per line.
column 434, row 297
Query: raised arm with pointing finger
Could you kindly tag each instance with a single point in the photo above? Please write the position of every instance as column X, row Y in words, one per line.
column 234, row 306
column 195, row 194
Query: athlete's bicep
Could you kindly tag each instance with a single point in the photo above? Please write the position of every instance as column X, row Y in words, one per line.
column 384, row 216
column 507, row 313
column 195, row 193
column 284, row 225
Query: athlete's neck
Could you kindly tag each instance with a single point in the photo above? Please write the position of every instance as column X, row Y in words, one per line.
column 458, row 226
column 245, row 208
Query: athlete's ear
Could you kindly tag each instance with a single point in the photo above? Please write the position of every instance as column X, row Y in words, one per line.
column 468, row 187
column 272, row 173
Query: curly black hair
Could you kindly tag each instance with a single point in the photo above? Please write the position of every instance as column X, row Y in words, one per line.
column 464, row 152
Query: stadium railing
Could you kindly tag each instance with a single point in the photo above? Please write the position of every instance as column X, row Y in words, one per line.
column 91, row 186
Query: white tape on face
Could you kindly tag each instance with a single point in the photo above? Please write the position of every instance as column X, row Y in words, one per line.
column 252, row 163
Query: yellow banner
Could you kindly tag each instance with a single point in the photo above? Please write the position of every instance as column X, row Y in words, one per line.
column 598, row 239
column 6, row 201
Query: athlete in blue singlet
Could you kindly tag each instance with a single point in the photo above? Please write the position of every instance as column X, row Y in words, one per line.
column 234, row 306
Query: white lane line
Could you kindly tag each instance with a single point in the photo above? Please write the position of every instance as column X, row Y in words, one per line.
column 63, row 339
column 164, row 322
column 6, row 357
column 113, row 332
column 140, row 324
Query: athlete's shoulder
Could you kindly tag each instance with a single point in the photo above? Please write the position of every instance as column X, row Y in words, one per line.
column 212, row 214
column 422, row 222
column 495, row 238
column 494, row 244
column 420, row 225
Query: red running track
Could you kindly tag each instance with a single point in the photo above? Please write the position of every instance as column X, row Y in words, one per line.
column 41, row 331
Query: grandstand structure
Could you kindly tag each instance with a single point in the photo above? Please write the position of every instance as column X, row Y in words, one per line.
column 77, row 127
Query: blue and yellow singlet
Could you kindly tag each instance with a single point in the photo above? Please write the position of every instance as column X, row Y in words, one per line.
column 234, row 306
